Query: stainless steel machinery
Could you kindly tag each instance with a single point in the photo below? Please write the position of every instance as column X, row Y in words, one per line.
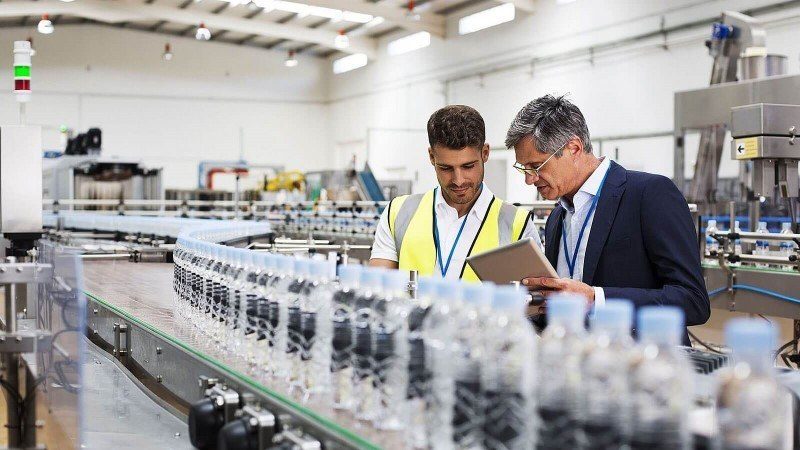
column 77, row 178
column 737, row 41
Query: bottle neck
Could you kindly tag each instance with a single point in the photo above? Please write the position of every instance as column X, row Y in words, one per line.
column 758, row 362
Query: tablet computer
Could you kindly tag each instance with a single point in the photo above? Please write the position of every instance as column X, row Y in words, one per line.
column 513, row 262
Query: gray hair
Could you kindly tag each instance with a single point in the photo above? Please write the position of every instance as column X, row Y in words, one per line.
column 551, row 122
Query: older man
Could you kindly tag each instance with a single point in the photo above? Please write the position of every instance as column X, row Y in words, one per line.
column 614, row 233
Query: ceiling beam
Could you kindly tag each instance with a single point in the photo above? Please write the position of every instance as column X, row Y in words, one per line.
column 129, row 11
column 432, row 23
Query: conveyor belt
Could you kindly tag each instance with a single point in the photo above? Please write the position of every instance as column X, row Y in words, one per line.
column 141, row 295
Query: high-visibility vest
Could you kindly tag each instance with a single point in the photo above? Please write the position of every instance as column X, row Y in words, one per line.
column 411, row 225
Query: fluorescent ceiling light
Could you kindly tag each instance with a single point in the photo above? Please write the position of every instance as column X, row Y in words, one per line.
column 350, row 62
column 303, row 10
column 486, row 18
column 409, row 43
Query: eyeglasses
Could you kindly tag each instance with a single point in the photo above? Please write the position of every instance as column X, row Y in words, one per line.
column 532, row 170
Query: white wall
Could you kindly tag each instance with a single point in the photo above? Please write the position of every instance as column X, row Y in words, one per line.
column 624, row 92
column 173, row 114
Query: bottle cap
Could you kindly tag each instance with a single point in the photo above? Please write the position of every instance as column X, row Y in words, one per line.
column 660, row 324
column 427, row 287
column 320, row 269
column 302, row 266
column 395, row 280
column 508, row 298
column 479, row 295
column 371, row 278
column 349, row 274
column 450, row 290
column 615, row 315
column 568, row 310
column 285, row 264
column 750, row 336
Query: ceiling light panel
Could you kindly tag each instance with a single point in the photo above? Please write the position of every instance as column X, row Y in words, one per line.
column 486, row 18
column 409, row 43
column 304, row 10
column 349, row 63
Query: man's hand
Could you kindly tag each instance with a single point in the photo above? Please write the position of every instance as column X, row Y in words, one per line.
column 560, row 285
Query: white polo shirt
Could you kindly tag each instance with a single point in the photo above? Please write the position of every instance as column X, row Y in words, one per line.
column 448, row 224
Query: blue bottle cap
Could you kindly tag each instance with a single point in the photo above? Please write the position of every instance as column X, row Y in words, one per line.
column 615, row 315
column 426, row 287
column 508, row 298
column 320, row 269
column 568, row 310
column 660, row 324
column 350, row 274
column 301, row 266
column 395, row 280
column 479, row 294
column 285, row 264
column 371, row 278
column 750, row 336
column 448, row 290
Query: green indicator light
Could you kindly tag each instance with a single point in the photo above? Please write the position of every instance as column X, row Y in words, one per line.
column 22, row 71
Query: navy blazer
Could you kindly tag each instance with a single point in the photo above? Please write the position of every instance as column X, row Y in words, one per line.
column 642, row 245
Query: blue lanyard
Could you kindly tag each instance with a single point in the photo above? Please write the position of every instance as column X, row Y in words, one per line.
column 571, row 262
column 443, row 267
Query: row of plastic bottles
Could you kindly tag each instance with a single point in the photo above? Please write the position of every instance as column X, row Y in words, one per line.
column 761, row 248
column 328, row 222
column 459, row 366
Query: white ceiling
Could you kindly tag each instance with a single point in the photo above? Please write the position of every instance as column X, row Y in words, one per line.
column 254, row 23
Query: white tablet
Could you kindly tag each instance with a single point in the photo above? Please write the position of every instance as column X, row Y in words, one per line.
column 513, row 262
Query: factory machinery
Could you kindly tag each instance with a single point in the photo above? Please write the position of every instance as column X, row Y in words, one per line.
column 747, row 268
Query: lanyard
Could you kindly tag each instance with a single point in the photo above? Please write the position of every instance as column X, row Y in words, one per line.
column 571, row 262
column 443, row 267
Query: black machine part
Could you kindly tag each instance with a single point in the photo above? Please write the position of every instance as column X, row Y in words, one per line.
column 207, row 416
column 205, row 421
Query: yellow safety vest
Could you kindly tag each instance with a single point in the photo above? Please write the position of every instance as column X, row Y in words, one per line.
column 411, row 225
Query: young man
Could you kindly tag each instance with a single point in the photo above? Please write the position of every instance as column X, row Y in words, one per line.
column 435, row 232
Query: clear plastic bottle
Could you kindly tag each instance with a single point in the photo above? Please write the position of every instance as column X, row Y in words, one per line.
column 218, row 290
column 508, row 375
column 245, row 319
column 342, row 315
column 438, row 330
column 296, row 290
column 390, row 351
column 606, row 400
column 279, row 318
column 753, row 408
column 179, row 277
column 257, row 340
column 559, row 365
column 787, row 248
column 661, row 382
column 468, row 417
column 222, row 295
column 206, row 301
column 762, row 246
column 363, row 320
column 418, row 372
column 236, row 282
column 712, row 245
column 317, row 328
